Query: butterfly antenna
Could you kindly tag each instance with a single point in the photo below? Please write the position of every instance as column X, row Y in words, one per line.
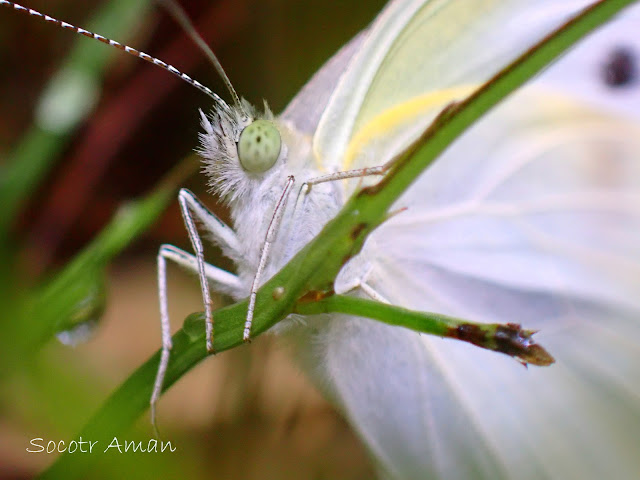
column 124, row 48
column 180, row 16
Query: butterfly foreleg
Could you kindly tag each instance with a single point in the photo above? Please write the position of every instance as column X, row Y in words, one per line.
column 272, row 231
column 224, row 236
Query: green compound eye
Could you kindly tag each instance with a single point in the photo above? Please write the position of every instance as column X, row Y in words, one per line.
column 259, row 146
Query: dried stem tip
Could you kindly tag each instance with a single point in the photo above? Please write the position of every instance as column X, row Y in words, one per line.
column 510, row 339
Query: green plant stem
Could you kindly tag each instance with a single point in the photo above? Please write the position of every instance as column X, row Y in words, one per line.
column 509, row 339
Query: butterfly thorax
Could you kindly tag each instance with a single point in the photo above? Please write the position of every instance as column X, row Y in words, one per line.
column 252, row 196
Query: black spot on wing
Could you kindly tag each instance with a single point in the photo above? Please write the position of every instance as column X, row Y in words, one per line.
column 620, row 68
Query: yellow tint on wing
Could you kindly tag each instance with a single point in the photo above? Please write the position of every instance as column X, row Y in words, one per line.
column 381, row 130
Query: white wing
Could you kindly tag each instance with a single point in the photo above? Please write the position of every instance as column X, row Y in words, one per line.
column 532, row 217
column 418, row 57
column 305, row 110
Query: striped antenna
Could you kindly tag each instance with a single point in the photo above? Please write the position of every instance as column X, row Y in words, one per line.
column 124, row 48
column 180, row 16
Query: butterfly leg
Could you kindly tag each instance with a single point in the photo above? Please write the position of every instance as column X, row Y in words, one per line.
column 332, row 177
column 220, row 279
column 272, row 231
column 227, row 239
column 357, row 173
column 361, row 283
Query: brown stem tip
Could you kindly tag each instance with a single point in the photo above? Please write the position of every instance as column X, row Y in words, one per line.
column 510, row 339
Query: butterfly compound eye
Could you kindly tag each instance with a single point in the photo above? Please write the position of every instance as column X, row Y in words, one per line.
column 259, row 146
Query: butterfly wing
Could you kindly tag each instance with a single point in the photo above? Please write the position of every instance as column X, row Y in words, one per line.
column 419, row 56
column 305, row 110
column 533, row 217
column 550, row 240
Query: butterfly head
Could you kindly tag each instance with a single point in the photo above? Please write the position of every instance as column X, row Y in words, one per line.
column 240, row 147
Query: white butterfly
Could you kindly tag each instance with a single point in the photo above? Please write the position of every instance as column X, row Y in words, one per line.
column 532, row 216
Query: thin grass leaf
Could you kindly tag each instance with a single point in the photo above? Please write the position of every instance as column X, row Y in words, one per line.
column 54, row 307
